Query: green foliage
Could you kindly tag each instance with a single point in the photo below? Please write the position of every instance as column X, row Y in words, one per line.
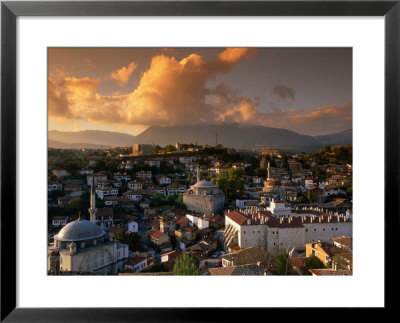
column 132, row 239
column 158, row 200
column 169, row 148
column 231, row 182
column 281, row 266
column 185, row 265
column 303, row 198
column 261, row 172
column 77, row 205
column 312, row 262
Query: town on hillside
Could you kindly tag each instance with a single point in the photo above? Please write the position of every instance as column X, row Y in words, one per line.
column 189, row 209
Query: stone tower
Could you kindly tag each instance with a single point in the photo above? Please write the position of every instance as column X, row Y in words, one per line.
column 92, row 209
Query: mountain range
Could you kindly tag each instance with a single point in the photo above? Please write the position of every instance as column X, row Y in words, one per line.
column 229, row 134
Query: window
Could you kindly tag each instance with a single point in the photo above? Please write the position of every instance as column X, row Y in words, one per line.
column 306, row 230
column 315, row 230
column 244, row 232
column 323, row 229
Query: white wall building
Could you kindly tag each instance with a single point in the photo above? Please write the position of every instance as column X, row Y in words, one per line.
column 165, row 180
column 251, row 228
column 106, row 191
column 133, row 226
column 54, row 186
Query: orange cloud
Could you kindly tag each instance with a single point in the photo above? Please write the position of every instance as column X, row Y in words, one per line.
column 174, row 92
column 123, row 74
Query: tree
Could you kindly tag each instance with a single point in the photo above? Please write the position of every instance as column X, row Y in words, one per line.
column 281, row 264
column 185, row 265
column 231, row 182
column 132, row 239
column 303, row 198
column 77, row 205
column 169, row 148
column 312, row 262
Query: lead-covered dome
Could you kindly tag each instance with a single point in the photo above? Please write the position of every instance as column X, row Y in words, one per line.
column 204, row 183
column 79, row 230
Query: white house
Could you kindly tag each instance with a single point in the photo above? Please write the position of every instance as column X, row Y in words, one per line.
column 144, row 174
column 136, row 264
column 198, row 220
column 110, row 200
column 175, row 189
column 257, row 180
column 59, row 220
column 135, row 185
column 134, row 195
column 164, row 180
column 86, row 171
column 54, row 186
column 310, row 182
column 133, row 226
column 106, row 191
column 122, row 177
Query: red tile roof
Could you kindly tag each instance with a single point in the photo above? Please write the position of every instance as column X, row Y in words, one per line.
column 156, row 234
column 237, row 217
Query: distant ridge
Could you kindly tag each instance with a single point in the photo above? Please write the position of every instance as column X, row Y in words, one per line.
column 228, row 134
column 339, row 138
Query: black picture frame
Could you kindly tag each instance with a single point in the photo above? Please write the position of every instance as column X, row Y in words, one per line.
column 10, row 10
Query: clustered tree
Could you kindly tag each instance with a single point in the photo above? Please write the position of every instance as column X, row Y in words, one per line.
column 132, row 239
column 176, row 200
column 312, row 262
column 281, row 265
column 185, row 265
column 231, row 182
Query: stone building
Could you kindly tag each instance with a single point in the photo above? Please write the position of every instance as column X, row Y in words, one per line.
column 283, row 230
column 82, row 247
column 143, row 149
column 204, row 197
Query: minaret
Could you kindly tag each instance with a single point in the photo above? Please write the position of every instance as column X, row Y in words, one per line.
column 92, row 209
column 268, row 170
column 198, row 173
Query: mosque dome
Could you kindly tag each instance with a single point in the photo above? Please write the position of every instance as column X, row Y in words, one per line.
column 204, row 184
column 79, row 230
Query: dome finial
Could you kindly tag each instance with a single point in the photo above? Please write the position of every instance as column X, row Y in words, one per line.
column 79, row 216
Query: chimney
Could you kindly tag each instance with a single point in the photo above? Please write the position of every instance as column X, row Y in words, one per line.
column 248, row 221
column 319, row 219
column 262, row 221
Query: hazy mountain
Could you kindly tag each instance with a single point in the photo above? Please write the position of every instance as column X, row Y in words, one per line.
column 232, row 134
column 335, row 139
column 63, row 145
column 93, row 137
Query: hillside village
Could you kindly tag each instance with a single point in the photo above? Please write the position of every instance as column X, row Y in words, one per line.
column 188, row 209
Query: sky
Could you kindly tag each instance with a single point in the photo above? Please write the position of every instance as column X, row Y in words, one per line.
column 306, row 90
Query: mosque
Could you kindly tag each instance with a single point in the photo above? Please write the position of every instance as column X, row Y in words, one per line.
column 83, row 247
column 204, row 197
column 271, row 185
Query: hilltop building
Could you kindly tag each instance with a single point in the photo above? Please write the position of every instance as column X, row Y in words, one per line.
column 204, row 197
column 143, row 149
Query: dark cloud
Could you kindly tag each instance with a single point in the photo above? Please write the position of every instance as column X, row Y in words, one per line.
column 284, row 92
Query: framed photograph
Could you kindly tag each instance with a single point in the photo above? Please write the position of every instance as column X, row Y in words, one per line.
column 186, row 142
